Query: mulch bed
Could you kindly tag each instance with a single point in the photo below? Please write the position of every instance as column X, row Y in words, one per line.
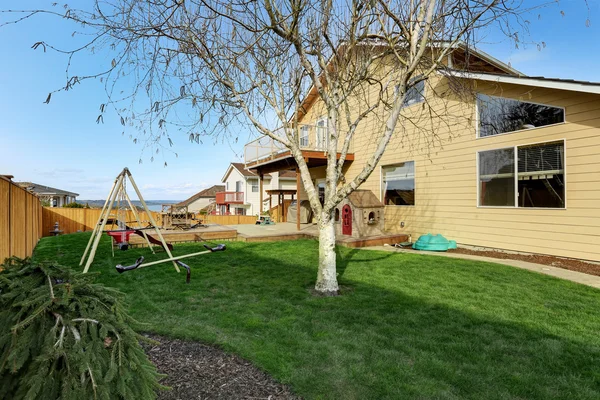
column 566, row 263
column 198, row 371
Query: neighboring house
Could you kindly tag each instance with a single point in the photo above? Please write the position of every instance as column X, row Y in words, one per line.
column 54, row 197
column 242, row 190
column 514, row 166
column 201, row 200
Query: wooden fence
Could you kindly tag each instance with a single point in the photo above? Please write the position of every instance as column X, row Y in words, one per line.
column 228, row 219
column 72, row 220
column 20, row 220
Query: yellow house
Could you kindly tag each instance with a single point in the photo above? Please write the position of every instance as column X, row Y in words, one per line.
column 512, row 163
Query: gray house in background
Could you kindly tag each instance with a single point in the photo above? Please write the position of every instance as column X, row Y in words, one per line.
column 203, row 199
column 55, row 197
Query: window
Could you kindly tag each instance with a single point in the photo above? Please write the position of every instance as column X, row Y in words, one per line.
column 501, row 115
column 239, row 186
column 322, row 139
column 254, row 186
column 321, row 189
column 337, row 215
column 414, row 94
column 240, row 211
column 497, row 177
column 304, row 136
column 226, row 185
column 399, row 184
column 539, row 181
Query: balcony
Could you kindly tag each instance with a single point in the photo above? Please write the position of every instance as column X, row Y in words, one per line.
column 267, row 155
column 230, row 198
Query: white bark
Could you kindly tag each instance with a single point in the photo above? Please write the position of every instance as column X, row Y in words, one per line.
column 327, row 276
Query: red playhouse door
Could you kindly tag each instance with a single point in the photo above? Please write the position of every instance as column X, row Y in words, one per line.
column 346, row 220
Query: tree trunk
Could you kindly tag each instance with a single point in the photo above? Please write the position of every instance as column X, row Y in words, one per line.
column 327, row 277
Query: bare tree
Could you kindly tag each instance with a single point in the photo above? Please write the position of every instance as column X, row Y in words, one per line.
column 205, row 65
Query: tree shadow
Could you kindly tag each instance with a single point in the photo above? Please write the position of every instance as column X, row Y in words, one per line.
column 389, row 337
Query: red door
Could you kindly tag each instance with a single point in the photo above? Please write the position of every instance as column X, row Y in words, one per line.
column 346, row 220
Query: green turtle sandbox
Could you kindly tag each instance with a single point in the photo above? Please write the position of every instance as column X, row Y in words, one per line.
column 431, row 242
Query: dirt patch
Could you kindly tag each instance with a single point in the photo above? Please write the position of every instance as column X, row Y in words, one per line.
column 566, row 263
column 197, row 371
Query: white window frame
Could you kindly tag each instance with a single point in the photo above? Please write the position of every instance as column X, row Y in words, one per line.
column 325, row 143
column 516, row 177
column 477, row 125
column 254, row 185
column 304, row 139
column 382, row 199
column 423, row 94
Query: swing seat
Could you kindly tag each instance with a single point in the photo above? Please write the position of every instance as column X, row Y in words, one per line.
column 120, row 236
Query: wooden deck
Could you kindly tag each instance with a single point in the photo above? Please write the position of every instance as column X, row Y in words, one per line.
column 287, row 231
column 257, row 233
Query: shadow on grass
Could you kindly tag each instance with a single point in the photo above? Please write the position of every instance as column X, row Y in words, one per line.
column 412, row 327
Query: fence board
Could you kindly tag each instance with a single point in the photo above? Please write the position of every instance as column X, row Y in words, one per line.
column 71, row 220
column 229, row 219
column 20, row 220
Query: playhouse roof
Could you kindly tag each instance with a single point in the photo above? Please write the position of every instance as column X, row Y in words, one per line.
column 364, row 199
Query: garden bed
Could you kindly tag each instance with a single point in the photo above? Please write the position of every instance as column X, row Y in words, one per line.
column 565, row 263
column 197, row 371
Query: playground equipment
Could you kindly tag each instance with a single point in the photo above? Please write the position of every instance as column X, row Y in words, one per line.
column 139, row 263
column 178, row 217
column 264, row 220
column 120, row 237
column 434, row 243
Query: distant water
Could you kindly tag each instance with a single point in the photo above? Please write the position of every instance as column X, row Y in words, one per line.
column 153, row 205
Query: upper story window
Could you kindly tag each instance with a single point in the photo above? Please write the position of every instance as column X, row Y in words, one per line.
column 398, row 184
column 254, row 183
column 415, row 94
column 499, row 115
column 304, row 132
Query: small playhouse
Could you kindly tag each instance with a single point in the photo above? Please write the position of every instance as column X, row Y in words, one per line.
column 359, row 215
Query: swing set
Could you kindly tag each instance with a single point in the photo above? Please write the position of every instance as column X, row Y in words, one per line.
column 120, row 237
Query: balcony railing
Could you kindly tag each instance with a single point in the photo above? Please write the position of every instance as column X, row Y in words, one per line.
column 229, row 197
column 310, row 138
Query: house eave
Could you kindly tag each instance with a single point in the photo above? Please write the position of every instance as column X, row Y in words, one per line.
column 589, row 87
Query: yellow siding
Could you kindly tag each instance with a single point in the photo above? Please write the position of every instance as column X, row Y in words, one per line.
column 442, row 142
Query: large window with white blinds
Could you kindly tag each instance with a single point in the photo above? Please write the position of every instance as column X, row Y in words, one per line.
column 398, row 184
column 530, row 176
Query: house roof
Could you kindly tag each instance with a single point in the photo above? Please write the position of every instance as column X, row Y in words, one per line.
column 208, row 193
column 364, row 199
column 312, row 94
column 45, row 190
column 537, row 81
column 249, row 174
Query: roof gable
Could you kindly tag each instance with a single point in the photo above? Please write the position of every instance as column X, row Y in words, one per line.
column 364, row 199
column 208, row 193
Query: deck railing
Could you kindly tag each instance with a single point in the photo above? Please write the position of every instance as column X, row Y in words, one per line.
column 229, row 197
column 310, row 137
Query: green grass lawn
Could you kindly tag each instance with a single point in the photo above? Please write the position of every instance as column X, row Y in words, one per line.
column 406, row 326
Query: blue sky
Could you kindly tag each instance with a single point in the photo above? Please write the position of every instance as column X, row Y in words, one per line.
column 59, row 144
